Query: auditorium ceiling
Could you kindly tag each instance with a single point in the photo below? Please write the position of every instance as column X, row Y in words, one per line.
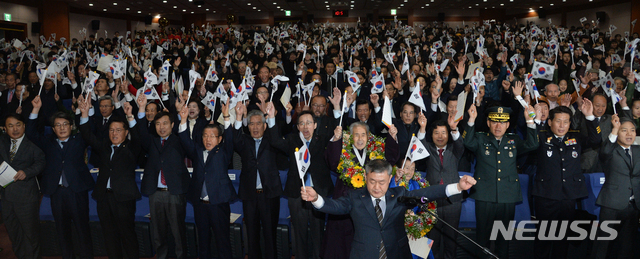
column 181, row 7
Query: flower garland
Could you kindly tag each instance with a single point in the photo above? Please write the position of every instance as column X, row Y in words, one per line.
column 350, row 170
column 417, row 225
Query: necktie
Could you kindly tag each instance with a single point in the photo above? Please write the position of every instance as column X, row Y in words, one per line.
column 161, row 173
column 382, row 252
column 626, row 150
column 64, row 178
column 598, row 120
column 308, row 181
column 258, row 181
column 10, row 96
column 14, row 148
column 440, row 151
column 105, row 121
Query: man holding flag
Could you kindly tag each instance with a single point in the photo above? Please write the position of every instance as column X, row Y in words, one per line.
column 498, row 188
column 317, row 175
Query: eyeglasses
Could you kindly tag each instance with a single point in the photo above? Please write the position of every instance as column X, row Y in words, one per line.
column 116, row 130
column 60, row 125
column 408, row 113
column 302, row 123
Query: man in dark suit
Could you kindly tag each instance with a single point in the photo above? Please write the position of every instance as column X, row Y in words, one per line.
column 379, row 228
column 559, row 181
column 115, row 191
column 498, row 186
column 302, row 215
column 589, row 159
column 442, row 168
column 66, row 179
column 407, row 125
column 165, row 181
column 326, row 122
column 100, row 122
column 621, row 161
column 260, row 186
column 9, row 95
column 21, row 199
column 210, row 189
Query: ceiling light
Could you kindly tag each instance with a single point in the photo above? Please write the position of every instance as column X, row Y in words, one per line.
column 501, row 4
column 165, row 1
column 158, row 16
column 104, row 9
column 139, row 11
column 278, row 7
column 274, row 3
column 206, row 9
column 551, row 4
column 127, row 8
column 184, row 10
column 248, row 3
column 477, row 4
column 199, row 6
column 540, row 6
column 484, row 0
column 401, row 4
column 531, row 10
column 115, row 3
column 174, row 7
column 422, row 7
column 254, row 8
column 90, row 4
column 192, row 12
column 259, row 10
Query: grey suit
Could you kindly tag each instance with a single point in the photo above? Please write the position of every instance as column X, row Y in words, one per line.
column 622, row 181
column 443, row 173
column 21, row 199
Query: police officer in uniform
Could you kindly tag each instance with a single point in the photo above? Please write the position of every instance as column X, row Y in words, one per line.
column 559, row 181
column 498, row 188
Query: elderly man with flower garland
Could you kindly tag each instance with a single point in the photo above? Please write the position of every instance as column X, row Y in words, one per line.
column 498, row 187
column 347, row 157
column 379, row 217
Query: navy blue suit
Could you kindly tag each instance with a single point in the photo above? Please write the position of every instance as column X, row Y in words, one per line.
column 69, row 204
column 212, row 172
column 368, row 232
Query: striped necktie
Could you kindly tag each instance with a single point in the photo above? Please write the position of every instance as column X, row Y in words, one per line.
column 382, row 252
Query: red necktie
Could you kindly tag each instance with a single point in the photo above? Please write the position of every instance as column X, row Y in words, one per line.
column 440, row 151
column 161, row 173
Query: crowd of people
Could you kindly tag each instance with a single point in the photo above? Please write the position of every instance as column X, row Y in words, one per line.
column 318, row 99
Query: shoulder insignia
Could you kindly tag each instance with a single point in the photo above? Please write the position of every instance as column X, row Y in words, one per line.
column 575, row 131
column 598, row 129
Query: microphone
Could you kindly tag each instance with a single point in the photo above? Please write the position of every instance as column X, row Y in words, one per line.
column 413, row 200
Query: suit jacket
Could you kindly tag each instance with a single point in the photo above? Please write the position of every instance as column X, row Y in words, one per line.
column 623, row 176
column 589, row 161
column 169, row 158
column 214, row 172
column 120, row 168
column 264, row 160
column 404, row 135
column 368, row 232
column 496, row 172
column 447, row 171
column 318, row 168
column 28, row 158
column 559, row 176
column 69, row 160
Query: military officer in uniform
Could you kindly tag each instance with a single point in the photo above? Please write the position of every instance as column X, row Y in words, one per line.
column 559, row 181
column 497, row 189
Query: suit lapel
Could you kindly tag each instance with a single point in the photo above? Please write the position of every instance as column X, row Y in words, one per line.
column 366, row 200
column 391, row 203
column 624, row 156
